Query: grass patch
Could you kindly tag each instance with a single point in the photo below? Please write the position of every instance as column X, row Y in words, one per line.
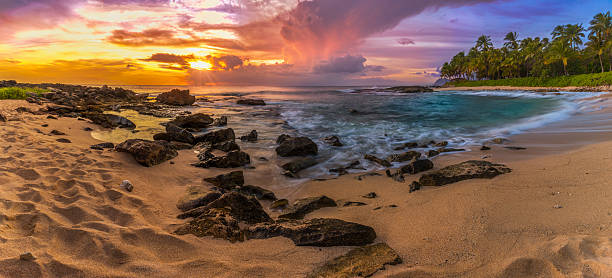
column 19, row 92
column 580, row 80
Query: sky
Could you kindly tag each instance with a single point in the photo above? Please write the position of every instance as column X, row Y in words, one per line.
column 260, row 42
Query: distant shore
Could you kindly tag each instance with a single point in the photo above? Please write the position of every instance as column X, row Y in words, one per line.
column 607, row 88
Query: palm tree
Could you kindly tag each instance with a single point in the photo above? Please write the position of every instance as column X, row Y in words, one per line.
column 559, row 50
column 511, row 41
column 483, row 43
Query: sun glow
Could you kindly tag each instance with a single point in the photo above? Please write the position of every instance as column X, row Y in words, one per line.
column 200, row 65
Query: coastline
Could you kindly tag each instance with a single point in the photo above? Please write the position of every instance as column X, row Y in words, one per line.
column 535, row 89
column 551, row 213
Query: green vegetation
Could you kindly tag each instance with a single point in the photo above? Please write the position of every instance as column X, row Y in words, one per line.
column 539, row 61
column 19, row 92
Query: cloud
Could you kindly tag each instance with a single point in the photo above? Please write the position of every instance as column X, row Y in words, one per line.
column 170, row 58
column 405, row 41
column 164, row 37
column 225, row 62
column 33, row 14
column 345, row 64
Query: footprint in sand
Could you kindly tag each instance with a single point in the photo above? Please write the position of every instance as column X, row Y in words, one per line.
column 28, row 174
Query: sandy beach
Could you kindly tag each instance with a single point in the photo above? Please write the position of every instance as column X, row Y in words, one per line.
column 538, row 89
column 549, row 217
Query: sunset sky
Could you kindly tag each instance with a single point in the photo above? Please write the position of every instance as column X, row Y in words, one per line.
column 259, row 42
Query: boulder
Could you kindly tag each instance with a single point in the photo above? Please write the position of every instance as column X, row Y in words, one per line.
column 221, row 121
column 180, row 145
column 232, row 159
column 251, row 137
column 56, row 132
column 196, row 196
column 417, row 166
column 198, row 121
column 257, row 192
column 127, row 186
column 323, row 232
column 217, row 136
column 101, row 146
column 449, row 150
column 359, row 262
column 148, row 153
column 241, row 207
column 353, row 204
column 226, row 146
column 279, row 204
column 176, row 97
column 377, row 160
column 333, row 141
column 344, row 170
column 227, row 181
column 3, row 118
column 175, row 133
column 409, row 145
column 246, row 101
column 301, row 207
column 215, row 222
column 297, row 146
column 397, row 176
column 432, row 153
column 299, row 164
column 407, row 156
column 63, row 140
column 414, row 186
column 282, row 138
column 109, row 120
column 370, row 195
column 472, row 169
column 485, row 148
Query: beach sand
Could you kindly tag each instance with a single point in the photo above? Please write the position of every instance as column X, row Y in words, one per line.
column 549, row 217
column 526, row 88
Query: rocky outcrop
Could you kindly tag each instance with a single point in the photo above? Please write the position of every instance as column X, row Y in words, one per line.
column 217, row 136
column 299, row 164
column 196, row 121
column 344, row 170
column 403, row 157
column 240, row 207
column 417, row 166
column 333, row 141
column 246, row 101
column 175, row 133
column 232, row 159
column 473, row 169
column 221, row 121
column 197, row 196
column 301, row 207
column 148, row 153
column 109, row 120
column 281, row 138
column 408, row 145
column 102, row 146
column 176, row 97
column 257, row 192
column 322, row 232
column 359, row 262
column 296, row 146
column 251, row 137
column 377, row 160
column 215, row 222
column 227, row 181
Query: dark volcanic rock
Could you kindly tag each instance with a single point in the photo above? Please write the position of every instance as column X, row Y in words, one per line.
column 333, row 141
column 432, row 153
column 241, row 207
column 226, row 146
column 217, row 136
column 57, row 132
column 63, row 140
column 515, row 148
column 279, row 204
column 484, row 148
column 2, row 118
column 448, row 150
column 299, row 164
column 227, row 181
column 344, row 170
column 246, row 101
column 417, row 166
column 221, row 121
column 473, row 169
column 197, row 121
column 251, row 137
column 216, row 222
column 397, row 176
column 196, row 197
column 353, row 204
column 175, row 133
column 176, row 97
column 109, row 120
column 407, row 156
column 257, row 192
column 408, row 145
column 298, row 146
column 370, row 195
column 232, row 159
column 180, row 145
column 322, row 232
column 359, row 262
column 282, row 138
column 148, row 153
column 301, row 207
column 414, row 186
column 377, row 160
column 101, row 146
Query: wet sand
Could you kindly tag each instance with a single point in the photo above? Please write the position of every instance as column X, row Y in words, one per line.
column 550, row 217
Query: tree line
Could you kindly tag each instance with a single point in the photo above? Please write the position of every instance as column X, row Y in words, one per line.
column 572, row 49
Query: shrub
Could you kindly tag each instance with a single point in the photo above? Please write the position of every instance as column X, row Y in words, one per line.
column 19, row 92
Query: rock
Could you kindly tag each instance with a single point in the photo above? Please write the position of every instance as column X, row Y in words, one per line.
column 88, row 129
column 227, row 181
column 473, row 169
column 377, row 160
column 233, row 159
column 279, row 204
column 241, row 207
column 221, row 121
column 45, row 125
column 281, row 138
column 343, row 170
column 197, row 196
column 448, row 150
column 301, row 207
column 57, row 132
column 109, row 120
column 180, row 145
column 323, row 232
column 432, row 153
column 215, row 222
column 298, row 146
column 257, row 192
column 226, row 146
column 515, row 148
column 370, row 195
column 175, row 133
column 217, row 136
column 414, row 186
column 396, row 176
column 372, row 174
column 63, row 140
column 2, row 118
column 299, row 164
column 484, row 148
column 176, row 97
column 27, row 257
column 251, row 137
column 102, row 146
column 408, row 145
column 197, row 120
column 246, row 101
column 407, row 156
column 333, row 141
column 361, row 261
column 417, row 166
column 148, row 153
column 353, row 204
column 441, row 144
column 127, row 186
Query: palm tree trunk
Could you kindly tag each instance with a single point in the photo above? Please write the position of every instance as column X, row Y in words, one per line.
column 601, row 64
column 565, row 66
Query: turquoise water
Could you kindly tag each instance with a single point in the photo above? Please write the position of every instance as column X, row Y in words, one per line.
column 382, row 120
